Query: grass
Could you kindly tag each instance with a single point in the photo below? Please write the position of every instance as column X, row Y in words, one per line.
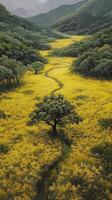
column 30, row 149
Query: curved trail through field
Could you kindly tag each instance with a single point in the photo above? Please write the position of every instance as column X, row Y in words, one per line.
column 47, row 177
column 60, row 85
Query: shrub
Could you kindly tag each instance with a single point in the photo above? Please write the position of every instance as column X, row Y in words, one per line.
column 106, row 123
column 38, row 67
column 2, row 114
column 3, row 149
column 105, row 154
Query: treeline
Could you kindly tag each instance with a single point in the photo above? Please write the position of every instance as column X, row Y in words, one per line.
column 16, row 54
column 11, row 73
column 16, row 47
column 94, row 55
column 20, row 43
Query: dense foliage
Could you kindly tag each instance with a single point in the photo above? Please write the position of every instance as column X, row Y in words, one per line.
column 20, row 42
column 18, row 48
column 94, row 55
column 90, row 17
column 54, row 111
column 11, row 72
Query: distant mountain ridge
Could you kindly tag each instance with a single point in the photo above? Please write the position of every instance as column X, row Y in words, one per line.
column 52, row 4
column 14, row 23
column 51, row 17
column 22, row 8
column 26, row 8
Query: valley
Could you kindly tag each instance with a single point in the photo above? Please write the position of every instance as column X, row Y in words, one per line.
column 27, row 152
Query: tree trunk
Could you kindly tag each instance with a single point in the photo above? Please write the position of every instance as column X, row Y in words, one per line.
column 54, row 131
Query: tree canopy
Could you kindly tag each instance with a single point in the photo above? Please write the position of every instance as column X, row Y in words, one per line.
column 94, row 55
column 54, row 111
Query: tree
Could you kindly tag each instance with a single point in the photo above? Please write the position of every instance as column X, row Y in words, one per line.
column 54, row 111
column 38, row 67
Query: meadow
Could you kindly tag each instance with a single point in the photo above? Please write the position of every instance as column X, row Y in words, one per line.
column 26, row 152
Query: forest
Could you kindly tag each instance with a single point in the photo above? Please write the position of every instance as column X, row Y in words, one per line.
column 56, row 102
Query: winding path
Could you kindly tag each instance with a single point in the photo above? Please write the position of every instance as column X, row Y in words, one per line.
column 47, row 177
column 60, row 85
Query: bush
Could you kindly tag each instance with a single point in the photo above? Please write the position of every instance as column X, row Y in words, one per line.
column 106, row 123
column 3, row 149
column 38, row 67
column 2, row 114
column 105, row 154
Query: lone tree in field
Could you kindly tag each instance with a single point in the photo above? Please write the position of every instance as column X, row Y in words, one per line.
column 54, row 111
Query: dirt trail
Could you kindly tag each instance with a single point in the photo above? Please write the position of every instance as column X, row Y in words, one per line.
column 60, row 85
column 48, row 176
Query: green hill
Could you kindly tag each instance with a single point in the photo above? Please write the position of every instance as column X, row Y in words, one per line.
column 53, row 16
column 94, row 55
column 20, row 42
column 7, row 17
column 9, row 21
column 90, row 17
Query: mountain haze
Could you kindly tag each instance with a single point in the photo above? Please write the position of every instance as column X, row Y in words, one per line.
column 26, row 8
column 52, row 4
column 51, row 17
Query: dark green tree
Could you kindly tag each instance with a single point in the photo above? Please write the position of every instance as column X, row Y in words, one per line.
column 54, row 111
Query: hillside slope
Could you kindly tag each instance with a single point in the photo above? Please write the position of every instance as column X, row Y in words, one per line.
column 92, row 16
column 13, row 22
column 94, row 55
column 27, row 8
column 7, row 17
column 53, row 16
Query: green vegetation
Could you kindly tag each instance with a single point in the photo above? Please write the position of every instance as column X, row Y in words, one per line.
column 35, row 166
column 90, row 17
column 38, row 67
column 20, row 43
column 54, row 111
column 47, row 19
column 16, row 47
column 13, row 20
column 94, row 55
column 104, row 152
column 11, row 72
column 46, row 150
column 106, row 123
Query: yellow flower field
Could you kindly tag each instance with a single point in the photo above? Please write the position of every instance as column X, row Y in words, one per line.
column 29, row 149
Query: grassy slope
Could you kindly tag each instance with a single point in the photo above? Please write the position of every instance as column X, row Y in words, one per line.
column 30, row 149
column 89, row 18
